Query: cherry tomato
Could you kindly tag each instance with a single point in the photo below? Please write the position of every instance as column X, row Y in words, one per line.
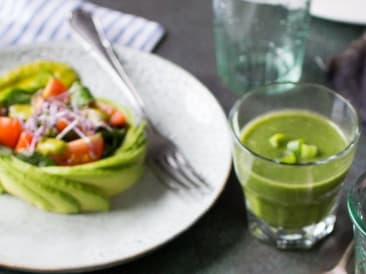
column 116, row 117
column 10, row 130
column 25, row 140
column 81, row 151
column 54, row 87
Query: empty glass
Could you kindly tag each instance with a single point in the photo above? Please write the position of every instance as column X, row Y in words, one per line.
column 259, row 41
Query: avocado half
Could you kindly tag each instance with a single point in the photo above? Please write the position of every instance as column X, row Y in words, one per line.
column 70, row 189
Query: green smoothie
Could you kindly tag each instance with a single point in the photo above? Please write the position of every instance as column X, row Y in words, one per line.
column 300, row 192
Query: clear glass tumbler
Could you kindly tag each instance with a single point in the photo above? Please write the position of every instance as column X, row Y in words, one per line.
column 292, row 205
column 259, row 41
column 356, row 203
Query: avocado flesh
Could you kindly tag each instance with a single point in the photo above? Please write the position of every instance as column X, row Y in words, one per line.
column 21, row 190
column 108, row 182
column 59, row 187
column 64, row 189
column 115, row 173
column 116, row 161
column 2, row 189
column 88, row 198
column 61, row 202
column 35, row 75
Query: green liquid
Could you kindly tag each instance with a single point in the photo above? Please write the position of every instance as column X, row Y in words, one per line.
column 291, row 196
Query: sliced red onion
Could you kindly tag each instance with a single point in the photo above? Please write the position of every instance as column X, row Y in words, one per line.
column 67, row 129
column 35, row 138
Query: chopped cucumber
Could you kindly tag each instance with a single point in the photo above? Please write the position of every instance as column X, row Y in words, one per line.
column 308, row 151
column 289, row 158
column 295, row 145
column 51, row 146
column 277, row 139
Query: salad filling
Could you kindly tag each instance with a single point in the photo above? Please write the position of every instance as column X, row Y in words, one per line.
column 62, row 126
column 53, row 126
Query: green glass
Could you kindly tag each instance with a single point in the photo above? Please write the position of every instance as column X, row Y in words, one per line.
column 356, row 203
column 259, row 42
column 293, row 205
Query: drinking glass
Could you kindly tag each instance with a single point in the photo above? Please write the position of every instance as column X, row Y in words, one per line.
column 356, row 203
column 259, row 41
column 292, row 205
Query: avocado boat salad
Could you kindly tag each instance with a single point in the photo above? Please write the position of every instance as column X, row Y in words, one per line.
column 62, row 149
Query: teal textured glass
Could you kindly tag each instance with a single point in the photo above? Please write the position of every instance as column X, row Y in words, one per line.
column 356, row 203
column 259, row 41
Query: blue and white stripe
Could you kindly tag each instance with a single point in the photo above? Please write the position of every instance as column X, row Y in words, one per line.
column 28, row 21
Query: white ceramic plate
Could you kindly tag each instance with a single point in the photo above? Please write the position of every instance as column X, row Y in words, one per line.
column 147, row 215
column 346, row 11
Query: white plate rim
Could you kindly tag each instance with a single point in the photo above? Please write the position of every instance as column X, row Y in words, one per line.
column 321, row 12
column 219, row 190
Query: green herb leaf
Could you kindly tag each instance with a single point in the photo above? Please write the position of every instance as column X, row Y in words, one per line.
column 112, row 140
column 15, row 96
column 80, row 95
column 36, row 159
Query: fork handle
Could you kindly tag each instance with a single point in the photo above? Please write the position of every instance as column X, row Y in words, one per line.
column 90, row 34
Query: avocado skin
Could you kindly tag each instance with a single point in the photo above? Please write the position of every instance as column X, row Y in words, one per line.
column 35, row 75
column 64, row 196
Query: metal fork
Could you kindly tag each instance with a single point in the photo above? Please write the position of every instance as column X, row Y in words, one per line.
column 164, row 157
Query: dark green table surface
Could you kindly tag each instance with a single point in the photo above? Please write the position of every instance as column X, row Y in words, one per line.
column 219, row 242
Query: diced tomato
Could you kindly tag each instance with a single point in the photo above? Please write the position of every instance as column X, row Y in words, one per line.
column 116, row 117
column 54, row 87
column 10, row 129
column 80, row 151
column 61, row 124
column 25, row 140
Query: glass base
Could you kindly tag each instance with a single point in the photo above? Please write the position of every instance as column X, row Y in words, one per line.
column 303, row 238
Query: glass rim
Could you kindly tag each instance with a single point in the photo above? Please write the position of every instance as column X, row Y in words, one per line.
column 351, row 144
column 351, row 207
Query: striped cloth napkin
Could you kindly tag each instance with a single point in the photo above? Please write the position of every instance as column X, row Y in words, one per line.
column 27, row 21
